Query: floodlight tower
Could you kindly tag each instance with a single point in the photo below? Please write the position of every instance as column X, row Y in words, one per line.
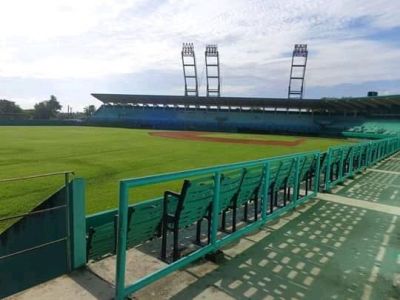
column 298, row 71
column 213, row 71
column 189, row 70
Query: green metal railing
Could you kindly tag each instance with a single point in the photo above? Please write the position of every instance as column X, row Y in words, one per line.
column 126, row 187
column 345, row 161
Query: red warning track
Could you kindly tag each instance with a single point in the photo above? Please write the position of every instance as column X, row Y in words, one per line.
column 200, row 136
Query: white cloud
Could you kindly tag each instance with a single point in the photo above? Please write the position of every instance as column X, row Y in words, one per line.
column 43, row 19
column 60, row 39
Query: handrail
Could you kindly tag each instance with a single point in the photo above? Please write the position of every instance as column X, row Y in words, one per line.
column 127, row 185
column 158, row 178
column 37, row 176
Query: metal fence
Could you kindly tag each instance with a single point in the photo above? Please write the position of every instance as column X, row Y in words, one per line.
column 341, row 163
column 129, row 185
column 344, row 162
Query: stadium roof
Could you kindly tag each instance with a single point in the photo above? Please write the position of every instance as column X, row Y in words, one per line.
column 388, row 104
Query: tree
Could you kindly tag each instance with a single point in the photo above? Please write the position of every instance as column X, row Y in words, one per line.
column 9, row 107
column 89, row 110
column 47, row 109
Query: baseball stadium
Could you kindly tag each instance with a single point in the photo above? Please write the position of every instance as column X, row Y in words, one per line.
column 205, row 197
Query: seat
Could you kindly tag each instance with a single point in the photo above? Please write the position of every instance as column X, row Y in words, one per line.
column 229, row 190
column 181, row 210
column 101, row 235
column 249, row 188
column 282, row 179
column 144, row 222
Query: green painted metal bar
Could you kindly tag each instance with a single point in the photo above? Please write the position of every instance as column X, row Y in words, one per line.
column 144, row 281
column 351, row 161
column 296, row 187
column 135, row 182
column 33, row 213
column 341, row 171
column 122, row 237
column 67, row 222
column 264, row 198
column 78, row 223
column 215, row 208
column 179, row 264
column 374, row 151
column 121, row 291
column 328, row 171
column 317, row 175
column 36, row 176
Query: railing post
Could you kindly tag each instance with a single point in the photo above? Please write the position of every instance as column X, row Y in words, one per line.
column 341, row 169
column 265, row 190
column 317, row 173
column 296, row 188
column 363, row 152
column 78, row 223
column 121, row 244
column 369, row 155
column 215, row 208
column 351, row 163
column 67, row 222
column 328, row 171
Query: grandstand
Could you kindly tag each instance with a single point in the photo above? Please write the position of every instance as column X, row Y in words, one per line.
column 357, row 117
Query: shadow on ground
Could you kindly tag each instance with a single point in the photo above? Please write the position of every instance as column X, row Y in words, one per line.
column 333, row 252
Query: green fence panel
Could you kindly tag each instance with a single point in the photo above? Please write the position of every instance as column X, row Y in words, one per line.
column 344, row 161
column 280, row 173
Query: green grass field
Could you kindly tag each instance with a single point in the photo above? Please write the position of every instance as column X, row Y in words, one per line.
column 103, row 156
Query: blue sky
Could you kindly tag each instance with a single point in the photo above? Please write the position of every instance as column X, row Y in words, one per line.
column 74, row 48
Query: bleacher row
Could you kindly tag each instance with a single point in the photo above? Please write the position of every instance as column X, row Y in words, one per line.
column 175, row 211
column 208, row 120
column 370, row 129
column 290, row 179
column 243, row 120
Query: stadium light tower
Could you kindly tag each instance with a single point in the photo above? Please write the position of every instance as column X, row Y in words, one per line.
column 213, row 71
column 189, row 70
column 298, row 71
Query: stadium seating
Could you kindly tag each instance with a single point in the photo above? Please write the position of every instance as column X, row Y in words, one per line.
column 307, row 164
column 184, row 209
column 193, row 203
column 365, row 117
column 281, row 178
column 192, row 119
column 144, row 224
column 101, row 238
column 376, row 128
column 229, row 190
column 243, row 121
column 249, row 187
column 290, row 178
